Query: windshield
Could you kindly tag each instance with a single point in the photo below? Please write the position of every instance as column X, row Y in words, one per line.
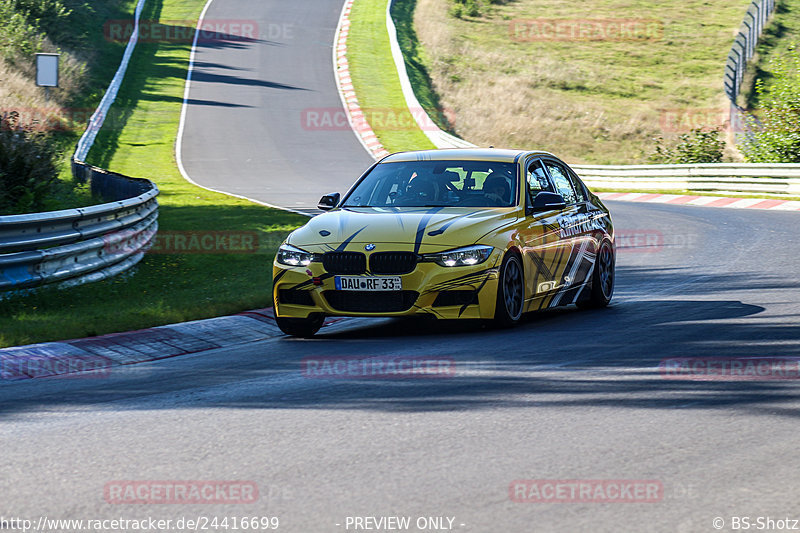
column 437, row 184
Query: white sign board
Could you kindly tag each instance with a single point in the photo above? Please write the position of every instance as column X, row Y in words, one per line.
column 47, row 70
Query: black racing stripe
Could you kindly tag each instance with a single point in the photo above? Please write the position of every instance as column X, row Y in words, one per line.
column 568, row 296
column 450, row 223
column 343, row 217
column 483, row 283
column 347, row 241
column 540, row 265
column 423, row 224
column 451, row 286
column 585, row 269
column 462, row 280
column 308, row 282
column 557, row 258
column 278, row 277
column 566, row 291
column 539, row 269
column 397, row 215
column 573, row 256
column 441, row 230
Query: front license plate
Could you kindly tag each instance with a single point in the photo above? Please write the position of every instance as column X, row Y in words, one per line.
column 371, row 283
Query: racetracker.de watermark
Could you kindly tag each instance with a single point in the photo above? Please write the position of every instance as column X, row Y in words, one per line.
column 180, row 492
column 383, row 118
column 639, row 241
column 183, row 31
column 84, row 366
column 685, row 120
column 184, row 242
column 378, row 367
column 586, row 491
column 652, row 240
column 585, row 29
column 730, row 368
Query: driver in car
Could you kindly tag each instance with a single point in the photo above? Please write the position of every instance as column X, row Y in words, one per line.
column 496, row 190
column 421, row 191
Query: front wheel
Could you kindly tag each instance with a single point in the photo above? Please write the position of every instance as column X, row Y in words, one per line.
column 300, row 327
column 510, row 292
column 602, row 278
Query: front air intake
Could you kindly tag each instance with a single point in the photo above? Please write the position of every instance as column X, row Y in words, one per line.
column 344, row 262
column 393, row 262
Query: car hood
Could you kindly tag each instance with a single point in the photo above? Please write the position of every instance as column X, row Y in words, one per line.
column 414, row 226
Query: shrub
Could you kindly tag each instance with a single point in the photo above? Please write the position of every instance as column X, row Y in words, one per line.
column 30, row 26
column 28, row 172
column 18, row 38
column 471, row 8
column 698, row 146
column 776, row 138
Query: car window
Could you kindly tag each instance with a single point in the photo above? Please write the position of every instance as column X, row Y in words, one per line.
column 537, row 179
column 580, row 190
column 562, row 182
column 437, row 184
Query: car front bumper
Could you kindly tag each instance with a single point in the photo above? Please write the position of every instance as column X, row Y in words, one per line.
column 464, row 292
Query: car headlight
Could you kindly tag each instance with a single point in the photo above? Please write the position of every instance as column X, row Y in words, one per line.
column 291, row 256
column 471, row 255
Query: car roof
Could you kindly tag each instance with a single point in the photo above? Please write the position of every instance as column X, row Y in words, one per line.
column 464, row 154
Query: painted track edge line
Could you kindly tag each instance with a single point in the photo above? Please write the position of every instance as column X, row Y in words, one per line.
column 692, row 200
column 377, row 151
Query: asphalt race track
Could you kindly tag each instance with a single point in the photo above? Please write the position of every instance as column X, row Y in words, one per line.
column 567, row 395
column 264, row 117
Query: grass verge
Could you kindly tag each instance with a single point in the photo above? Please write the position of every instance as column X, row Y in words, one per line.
column 416, row 60
column 588, row 96
column 164, row 288
column 377, row 83
column 782, row 32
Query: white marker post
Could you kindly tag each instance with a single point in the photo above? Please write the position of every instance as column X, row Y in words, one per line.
column 47, row 72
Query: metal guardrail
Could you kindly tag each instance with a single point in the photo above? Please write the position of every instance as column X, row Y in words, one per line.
column 86, row 244
column 439, row 138
column 740, row 177
column 743, row 49
column 80, row 245
column 98, row 117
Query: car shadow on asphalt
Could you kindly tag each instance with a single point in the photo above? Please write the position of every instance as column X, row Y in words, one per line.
column 618, row 357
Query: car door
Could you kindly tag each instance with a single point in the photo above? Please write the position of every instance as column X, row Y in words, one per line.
column 576, row 227
column 542, row 250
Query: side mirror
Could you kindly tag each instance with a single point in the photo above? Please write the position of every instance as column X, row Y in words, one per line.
column 329, row 201
column 548, row 201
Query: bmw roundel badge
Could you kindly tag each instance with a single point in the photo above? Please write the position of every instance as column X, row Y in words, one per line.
column 369, row 247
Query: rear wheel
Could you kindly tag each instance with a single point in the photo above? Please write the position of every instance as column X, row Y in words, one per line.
column 510, row 292
column 300, row 327
column 602, row 278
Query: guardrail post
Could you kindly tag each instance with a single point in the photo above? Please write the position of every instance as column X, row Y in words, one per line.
column 749, row 39
column 758, row 12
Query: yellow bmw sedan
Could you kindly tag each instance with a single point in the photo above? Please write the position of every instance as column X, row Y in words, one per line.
column 452, row 234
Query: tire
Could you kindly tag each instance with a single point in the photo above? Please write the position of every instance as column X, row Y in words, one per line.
column 300, row 327
column 602, row 279
column 510, row 292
